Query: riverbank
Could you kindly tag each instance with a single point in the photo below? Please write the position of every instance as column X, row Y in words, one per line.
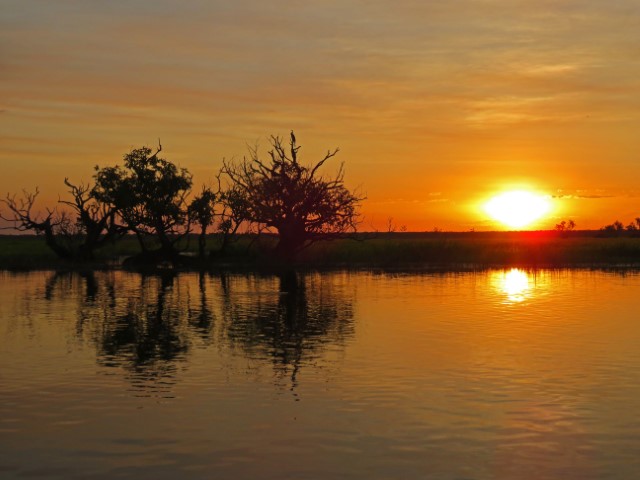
column 404, row 251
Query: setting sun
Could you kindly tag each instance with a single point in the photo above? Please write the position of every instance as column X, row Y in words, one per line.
column 518, row 208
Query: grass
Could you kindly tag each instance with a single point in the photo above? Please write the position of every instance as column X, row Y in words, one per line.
column 25, row 252
column 388, row 251
column 479, row 251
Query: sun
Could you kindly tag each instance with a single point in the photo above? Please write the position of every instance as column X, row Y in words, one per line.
column 517, row 208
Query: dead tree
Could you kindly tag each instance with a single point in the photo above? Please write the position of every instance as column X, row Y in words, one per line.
column 294, row 199
column 23, row 219
column 95, row 220
column 75, row 233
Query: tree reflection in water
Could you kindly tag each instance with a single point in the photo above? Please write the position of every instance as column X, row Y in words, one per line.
column 149, row 324
column 138, row 326
column 148, row 333
column 291, row 327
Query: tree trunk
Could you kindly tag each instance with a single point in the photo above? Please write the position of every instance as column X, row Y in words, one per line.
column 52, row 243
column 202, row 242
column 292, row 239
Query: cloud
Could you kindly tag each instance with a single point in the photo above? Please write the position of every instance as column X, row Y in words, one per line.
column 582, row 196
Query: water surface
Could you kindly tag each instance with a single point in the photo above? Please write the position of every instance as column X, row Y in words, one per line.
column 504, row 374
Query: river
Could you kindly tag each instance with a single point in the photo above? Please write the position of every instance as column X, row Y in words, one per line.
column 496, row 374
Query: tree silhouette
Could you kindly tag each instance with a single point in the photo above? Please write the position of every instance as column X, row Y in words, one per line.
column 281, row 193
column 614, row 229
column 73, row 234
column 95, row 220
column 233, row 214
column 149, row 194
column 565, row 226
column 223, row 209
column 24, row 219
column 202, row 212
column 634, row 226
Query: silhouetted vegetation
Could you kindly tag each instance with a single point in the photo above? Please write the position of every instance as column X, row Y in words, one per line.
column 151, row 198
column 202, row 212
column 146, row 210
column 429, row 250
column 634, row 226
column 73, row 235
column 565, row 226
column 293, row 198
column 617, row 229
column 149, row 194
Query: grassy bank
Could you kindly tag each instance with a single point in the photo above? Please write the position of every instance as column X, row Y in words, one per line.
column 398, row 250
column 29, row 252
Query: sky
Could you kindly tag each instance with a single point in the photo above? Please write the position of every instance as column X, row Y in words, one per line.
column 435, row 106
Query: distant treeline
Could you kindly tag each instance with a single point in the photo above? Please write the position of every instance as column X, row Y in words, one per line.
column 617, row 228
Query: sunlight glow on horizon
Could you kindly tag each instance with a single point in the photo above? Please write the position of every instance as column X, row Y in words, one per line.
column 427, row 102
column 517, row 208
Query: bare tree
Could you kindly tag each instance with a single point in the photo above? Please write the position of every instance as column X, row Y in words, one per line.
column 391, row 225
column 283, row 194
column 95, row 221
column 23, row 219
column 234, row 213
column 72, row 234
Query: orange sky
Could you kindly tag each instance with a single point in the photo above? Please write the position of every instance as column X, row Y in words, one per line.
column 434, row 105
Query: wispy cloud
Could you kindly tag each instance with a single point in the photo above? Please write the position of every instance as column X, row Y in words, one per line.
column 583, row 196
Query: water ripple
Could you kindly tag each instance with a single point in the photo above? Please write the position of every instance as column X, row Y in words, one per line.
column 483, row 375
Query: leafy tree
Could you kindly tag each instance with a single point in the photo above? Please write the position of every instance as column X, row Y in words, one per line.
column 283, row 194
column 149, row 194
column 224, row 209
column 614, row 229
column 202, row 212
column 634, row 226
column 565, row 226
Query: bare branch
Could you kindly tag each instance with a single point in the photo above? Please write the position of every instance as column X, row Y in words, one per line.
column 284, row 194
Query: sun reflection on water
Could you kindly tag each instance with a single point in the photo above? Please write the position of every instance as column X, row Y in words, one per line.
column 514, row 284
